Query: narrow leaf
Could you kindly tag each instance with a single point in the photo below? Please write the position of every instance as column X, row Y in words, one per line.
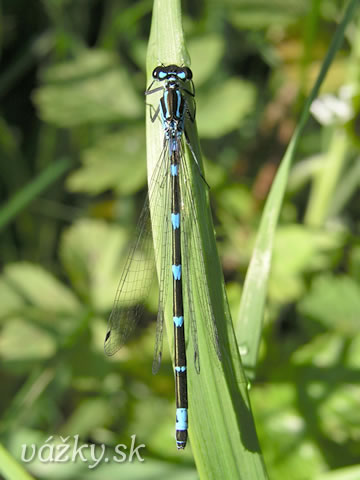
column 249, row 322
column 221, row 427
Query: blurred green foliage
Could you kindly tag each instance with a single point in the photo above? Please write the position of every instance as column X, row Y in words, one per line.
column 71, row 86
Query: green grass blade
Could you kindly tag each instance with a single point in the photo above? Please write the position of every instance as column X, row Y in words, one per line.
column 21, row 199
column 221, row 428
column 10, row 468
column 249, row 322
column 346, row 188
column 326, row 179
column 36, row 48
column 345, row 473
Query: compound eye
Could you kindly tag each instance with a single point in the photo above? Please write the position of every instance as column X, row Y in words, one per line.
column 188, row 73
column 159, row 73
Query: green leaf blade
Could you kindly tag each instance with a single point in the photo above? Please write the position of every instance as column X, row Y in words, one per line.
column 221, row 428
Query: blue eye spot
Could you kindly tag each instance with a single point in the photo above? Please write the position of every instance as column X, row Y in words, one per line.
column 162, row 75
column 181, row 75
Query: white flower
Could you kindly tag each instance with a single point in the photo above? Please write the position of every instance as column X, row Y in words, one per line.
column 329, row 109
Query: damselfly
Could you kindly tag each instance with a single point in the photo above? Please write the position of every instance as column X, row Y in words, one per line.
column 168, row 221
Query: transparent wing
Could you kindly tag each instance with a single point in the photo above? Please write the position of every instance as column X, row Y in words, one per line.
column 165, row 280
column 189, row 297
column 139, row 271
column 194, row 260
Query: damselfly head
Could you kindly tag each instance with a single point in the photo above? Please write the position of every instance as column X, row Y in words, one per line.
column 172, row 71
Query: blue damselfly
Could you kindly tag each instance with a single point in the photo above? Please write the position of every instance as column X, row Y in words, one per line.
column 182, row 264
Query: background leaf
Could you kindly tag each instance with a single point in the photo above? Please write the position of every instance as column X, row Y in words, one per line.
column 90, row 89
column 88, row 252
column 104, row 166
column 217, row 115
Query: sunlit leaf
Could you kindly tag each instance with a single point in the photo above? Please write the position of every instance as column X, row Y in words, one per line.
column 117, row 161
column 346, row 473
column 334, row 301
column 92, row 253
column 260, row 13
column 322, row 351
column 204, row 65
column 10, row 298
column 224, row 107
column 40, row 288
column 92, row 88
column 20, row 341
column 340, row 415
column 297, row 250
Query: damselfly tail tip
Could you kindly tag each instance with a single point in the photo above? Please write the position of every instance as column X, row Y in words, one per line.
column 181, row 439
column 180, row 445
column 181, row 432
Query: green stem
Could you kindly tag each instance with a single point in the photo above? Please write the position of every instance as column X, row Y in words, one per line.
column 21, row 199
column 35, row 49
column 10, row 468
column 326, row 179
column 346, row 188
